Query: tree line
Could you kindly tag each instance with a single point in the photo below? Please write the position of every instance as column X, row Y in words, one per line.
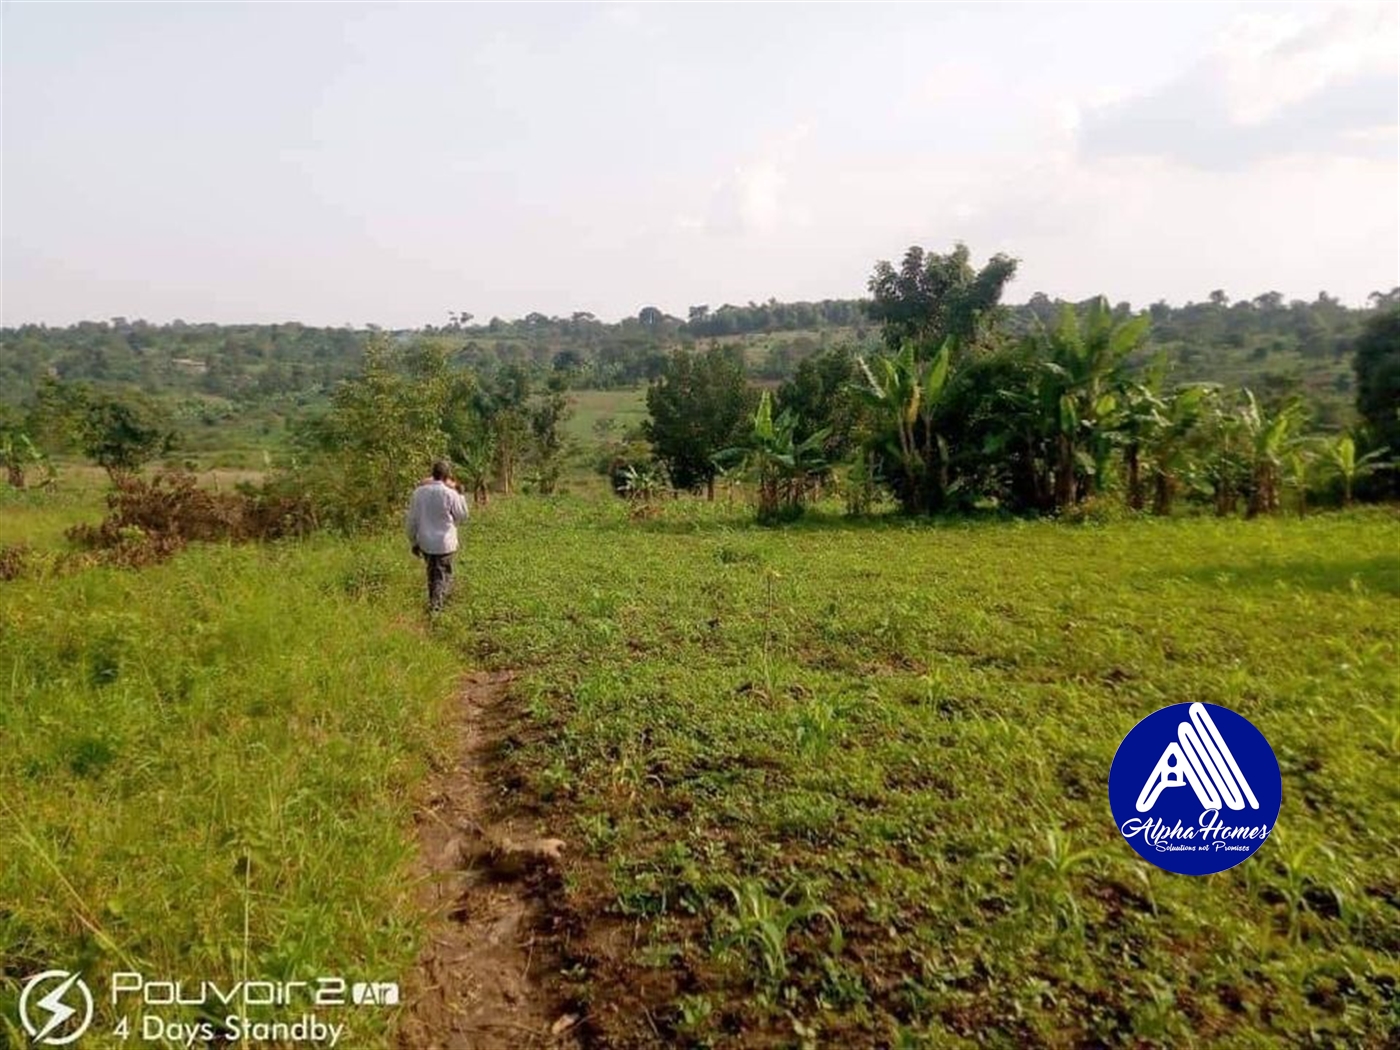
column 966, row 405
column 1266, row 341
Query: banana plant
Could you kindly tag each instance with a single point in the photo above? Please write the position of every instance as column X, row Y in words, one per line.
column 1168, row 445
column 904, row 394
column 17, row 454
column 1297, row 471
column 1081, row 368
column 1340, row 454
column 641, row 484
column 781, row 465
column 1271, row 437
column 1142, row 416
column 1223, row 466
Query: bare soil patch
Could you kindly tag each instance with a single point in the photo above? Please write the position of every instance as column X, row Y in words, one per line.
column 481, row 982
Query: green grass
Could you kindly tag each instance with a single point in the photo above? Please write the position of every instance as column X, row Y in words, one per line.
column 230, row 737
column 38, row 518
column 842, row 784
column 755, row 737
column 627, row 408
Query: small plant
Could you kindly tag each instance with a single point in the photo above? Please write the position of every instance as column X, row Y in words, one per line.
column 761, row 924
column 1341, row 457
column 640, row 484
column 17, row 454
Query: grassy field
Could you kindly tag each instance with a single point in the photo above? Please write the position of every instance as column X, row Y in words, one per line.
column 626, row 408
column 842, row 784
column 756, row 737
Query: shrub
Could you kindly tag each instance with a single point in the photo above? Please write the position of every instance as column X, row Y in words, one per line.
column 147, row 521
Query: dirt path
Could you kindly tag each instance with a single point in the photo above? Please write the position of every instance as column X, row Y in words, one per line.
column 476, row 984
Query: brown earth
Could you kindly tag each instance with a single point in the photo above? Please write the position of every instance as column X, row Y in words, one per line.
column 481, row 982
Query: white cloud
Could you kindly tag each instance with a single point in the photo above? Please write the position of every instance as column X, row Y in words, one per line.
column 1269, row 62
column 755, row 197
column 1272, row 84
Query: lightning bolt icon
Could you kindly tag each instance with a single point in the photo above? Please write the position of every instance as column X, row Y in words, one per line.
column 58, row 1010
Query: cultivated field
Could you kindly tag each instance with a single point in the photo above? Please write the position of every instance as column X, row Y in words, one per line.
column 839, row 784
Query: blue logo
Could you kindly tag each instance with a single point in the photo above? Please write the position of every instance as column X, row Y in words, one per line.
column 1195, row 788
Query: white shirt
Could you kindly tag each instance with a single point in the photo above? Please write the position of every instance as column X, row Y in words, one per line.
column 433, row 514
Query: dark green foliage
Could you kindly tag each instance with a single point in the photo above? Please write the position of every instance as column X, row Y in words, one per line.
column 903, row 397
column 383, row 430
column 122, row 433
column 1377, row 364
column 546, row 427
column 933, row 297
column 820, row 397
column 698, row 407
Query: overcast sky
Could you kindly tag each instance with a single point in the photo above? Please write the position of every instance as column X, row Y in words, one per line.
column 334, row 163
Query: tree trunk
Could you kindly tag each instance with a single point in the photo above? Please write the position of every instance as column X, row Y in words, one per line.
column 1164, row 494
column 1137, row 497
column 1064, row 472
column 710, row 489
column 16, row 475
column 1224, row 499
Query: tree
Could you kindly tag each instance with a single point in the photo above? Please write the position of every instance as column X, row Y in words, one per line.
column 698, row 406
column 471, row 441
column 547, row 426
column 932, row 297
column 1377, row 365
column 1168, row 443
column 123, row 433
column 384, row 427
column 820, row 396
column 57, row 415
column 1270, row 437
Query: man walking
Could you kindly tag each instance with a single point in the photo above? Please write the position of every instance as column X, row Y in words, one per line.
column 433, row 515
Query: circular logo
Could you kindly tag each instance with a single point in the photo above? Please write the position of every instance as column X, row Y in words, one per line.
column 1195, row 788
column 52, row 1020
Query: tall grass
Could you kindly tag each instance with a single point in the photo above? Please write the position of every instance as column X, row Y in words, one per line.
column 231, row 736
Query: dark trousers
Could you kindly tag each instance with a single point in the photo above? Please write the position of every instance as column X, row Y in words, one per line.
column 439, row 578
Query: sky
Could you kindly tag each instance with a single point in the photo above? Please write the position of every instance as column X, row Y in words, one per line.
column 368, row 163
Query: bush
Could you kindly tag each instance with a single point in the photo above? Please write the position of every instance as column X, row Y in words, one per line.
column 147, row 521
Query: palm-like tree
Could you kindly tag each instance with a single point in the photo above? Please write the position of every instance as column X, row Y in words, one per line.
column 903, row 393
column 1340, row 455
column 1082, row 366
column 1224, row 460
column 1271, row 436
column 781, row 465
column 17, row 454
column 1166, row 442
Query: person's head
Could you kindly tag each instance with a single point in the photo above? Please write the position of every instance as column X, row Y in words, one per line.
column 442, row 470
